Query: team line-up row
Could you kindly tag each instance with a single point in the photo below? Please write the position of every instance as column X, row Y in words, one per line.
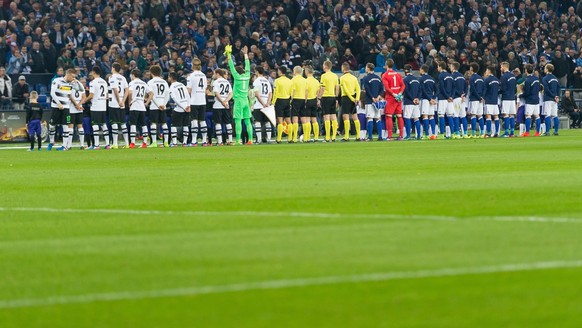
column 412, row 102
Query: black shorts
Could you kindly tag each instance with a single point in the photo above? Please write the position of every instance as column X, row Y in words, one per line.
column 59, row 116
column 259, row 116
column 137, row 118
column 117, row 115
column 348, row 106
column 75, row 119
column 328, row 105
column 297, row 107
column 221, row 116
column 157, row 116
column 98, row 118
column 180, row 119
column 198, row 112
column 282, row 108
column 310, row 109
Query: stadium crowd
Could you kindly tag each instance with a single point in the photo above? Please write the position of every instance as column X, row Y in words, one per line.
column 39, row 37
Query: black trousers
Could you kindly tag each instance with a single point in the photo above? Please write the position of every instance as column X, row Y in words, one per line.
column 576, row 118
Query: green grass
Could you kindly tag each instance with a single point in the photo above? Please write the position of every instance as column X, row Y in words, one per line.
column 401, row 207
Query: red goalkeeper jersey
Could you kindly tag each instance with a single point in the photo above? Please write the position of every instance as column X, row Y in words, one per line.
column 393, row 84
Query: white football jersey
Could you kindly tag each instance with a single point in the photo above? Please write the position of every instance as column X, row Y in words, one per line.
column 60, row 92
column 161, row 92
column 179, row 93
column 263, row 86
column 139, row 89
column 116, row 81
column 98, row 87
column 77, row 94
column 198, row 84
column 223, row 88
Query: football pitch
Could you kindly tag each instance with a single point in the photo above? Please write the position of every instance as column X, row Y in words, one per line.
column 464, row 233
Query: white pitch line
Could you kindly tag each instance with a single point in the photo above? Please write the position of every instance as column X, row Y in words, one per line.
column 295, row 214
column 281, row 284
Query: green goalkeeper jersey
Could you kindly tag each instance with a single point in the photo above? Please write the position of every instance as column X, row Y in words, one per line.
column 241, row 81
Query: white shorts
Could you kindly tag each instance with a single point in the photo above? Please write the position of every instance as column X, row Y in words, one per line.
column 446, row 107
column 550, row 108
column 411, row 111
column 373, row 112
column 532, row 110
column 476, row 108
column 492, row 110
column 426, row 108
column 508, row 107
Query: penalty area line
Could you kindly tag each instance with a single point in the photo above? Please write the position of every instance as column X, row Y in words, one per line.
column 293, row 214
column 283, row 283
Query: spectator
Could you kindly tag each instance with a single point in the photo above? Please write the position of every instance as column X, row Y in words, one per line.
column 568, row 105
column 561, row 68
column 5, row 88
column 349, row 58
column 16, row 63
column 49, row 52
column 382, row 57
column 20, row 94
column 37, row 60
column 399, row 58
column 64, row 60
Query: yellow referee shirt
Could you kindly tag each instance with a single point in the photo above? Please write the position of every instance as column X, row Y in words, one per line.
column 350, row 87
column 299, row 87
column 282, row 89
column 329, row 81
column 312, row 87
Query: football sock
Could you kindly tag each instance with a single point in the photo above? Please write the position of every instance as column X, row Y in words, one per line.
column 527, row 124
column 497, row 126
column 289, row 132
column 279, row 132
column 52, row 132
column 238, row 129
column 334, row 127
column 81, row 136
column 506, row 124
column 306, row 131
column 433, row 126
column 115, row 131
column 295, row 131
column 65, row 135
column 465, row 125
column 204, row 131
column 315, row 126
column 456, row 125
column 258, row 132
column 538, row 124
column 407, row 127
column 380, row 128
column 512, row 125
column 442, row 125
column 400, row 126
column 249, row 127
column 425, row 123
column 195, row 129
column 166, row 132
column 389, row 126
column 370, row 128
column 185, row 134
column 327, row 125
column 229, row 132
column 548, row 122
column 218, row 129
column 106, row 133
column 347, row 129
column 124, row 133
column 154, row 133
column 474, row 125
column 70, row 138
column 452, row 126
column 96, row 133
column 132, row 133
column 358, row 126
column 268, row 129
column 556, row 124
column 488, row 126
column 417, row 128
column 481, row 125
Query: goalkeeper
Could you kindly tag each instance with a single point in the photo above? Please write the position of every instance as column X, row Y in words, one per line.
column 394, row 87
column 242, row 108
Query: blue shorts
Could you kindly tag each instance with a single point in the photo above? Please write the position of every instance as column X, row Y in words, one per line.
column 34, row 128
